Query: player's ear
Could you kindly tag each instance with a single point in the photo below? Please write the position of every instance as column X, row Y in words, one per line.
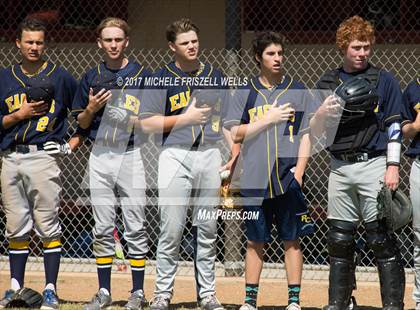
column 127, row 41
column 98, row 40
column 172, row 46
column 257, row 58
column 18, row 43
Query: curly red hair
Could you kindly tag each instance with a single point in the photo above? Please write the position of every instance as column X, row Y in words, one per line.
column 354, row 28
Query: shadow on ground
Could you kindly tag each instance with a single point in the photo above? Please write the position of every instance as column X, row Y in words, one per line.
column 193, row 305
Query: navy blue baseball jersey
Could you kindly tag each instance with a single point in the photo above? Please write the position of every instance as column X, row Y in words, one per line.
column 169, row 92
column 39, row 129
column 270, row 157
column 126, row 85
column 388, row 109
column 411, row 108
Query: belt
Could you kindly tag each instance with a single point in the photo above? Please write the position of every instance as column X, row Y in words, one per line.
column 194, row 147
column 26, row 148
column 356, row 157
column 115, row 145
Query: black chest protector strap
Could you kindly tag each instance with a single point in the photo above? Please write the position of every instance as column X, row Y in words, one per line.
column 353, row 135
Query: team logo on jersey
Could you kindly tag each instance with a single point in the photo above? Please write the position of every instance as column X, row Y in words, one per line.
column 179, row 101
column 15, row 101
column 417, row 107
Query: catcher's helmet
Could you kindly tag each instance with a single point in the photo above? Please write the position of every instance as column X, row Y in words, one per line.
column 395, row 207
column 358, row 96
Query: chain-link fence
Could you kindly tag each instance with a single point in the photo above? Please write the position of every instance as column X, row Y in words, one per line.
column 302, row 22
column 305, row 63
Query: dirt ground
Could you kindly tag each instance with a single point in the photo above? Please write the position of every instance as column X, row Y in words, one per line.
column 79, row 287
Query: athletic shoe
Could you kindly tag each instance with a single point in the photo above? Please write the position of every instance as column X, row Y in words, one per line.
column 159, row 302
column 293, row 306
column 136, row 301
column 247, row 307
column 99, row 301
column 352, row 305
column 49, row 300
column 7, row 298
column 210, row 303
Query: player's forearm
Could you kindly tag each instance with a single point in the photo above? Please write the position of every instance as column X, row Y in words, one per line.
column 85, row 119
column 245, row 132
column 162, row 124
column 317, row 125
column 303, row 155
column 11, row 120
column 410, row 130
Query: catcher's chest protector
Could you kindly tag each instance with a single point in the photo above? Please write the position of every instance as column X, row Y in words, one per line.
column 355, row 133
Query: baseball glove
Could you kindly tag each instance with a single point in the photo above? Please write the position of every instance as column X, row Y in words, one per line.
column 395, row 208
column 25, row 298
column 40, row 88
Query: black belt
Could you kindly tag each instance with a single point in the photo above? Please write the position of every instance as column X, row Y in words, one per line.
column 356, row 157
column 26, row 148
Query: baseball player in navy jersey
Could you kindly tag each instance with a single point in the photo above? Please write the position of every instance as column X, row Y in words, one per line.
column 270, row 113
column 411, row 130
column 365, row 152
column 32, row 137
column 187, row 129
column 106, row 105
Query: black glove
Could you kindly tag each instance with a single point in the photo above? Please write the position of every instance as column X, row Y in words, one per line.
column 395, row 208
column 25, row 298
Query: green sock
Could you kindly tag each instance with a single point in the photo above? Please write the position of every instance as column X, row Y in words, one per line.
column 251, row 293
column 294, row 291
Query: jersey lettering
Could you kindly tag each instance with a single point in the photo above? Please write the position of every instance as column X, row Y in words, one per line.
column 15, row 102
column 257, row 113
column 179, row 101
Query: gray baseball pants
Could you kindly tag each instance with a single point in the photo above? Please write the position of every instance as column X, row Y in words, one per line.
column 181, row 173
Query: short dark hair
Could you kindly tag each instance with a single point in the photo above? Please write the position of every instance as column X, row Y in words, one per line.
column 263, row 39
column 180, row 26
column 31, row 24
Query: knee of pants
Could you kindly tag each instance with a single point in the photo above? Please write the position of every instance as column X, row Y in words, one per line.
column 103, row 231
column 380, row 241
column 340, row 239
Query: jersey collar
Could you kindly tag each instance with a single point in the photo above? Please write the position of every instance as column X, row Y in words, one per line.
column 179, row 73
column 282, row 85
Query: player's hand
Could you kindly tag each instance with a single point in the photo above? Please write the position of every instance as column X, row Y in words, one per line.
column 299, row 179
column 98, row 101
column 277, row 114
column 229, row 166
column 31, row 109
column 392, row 177
column 330, row 108
column 195, row 115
